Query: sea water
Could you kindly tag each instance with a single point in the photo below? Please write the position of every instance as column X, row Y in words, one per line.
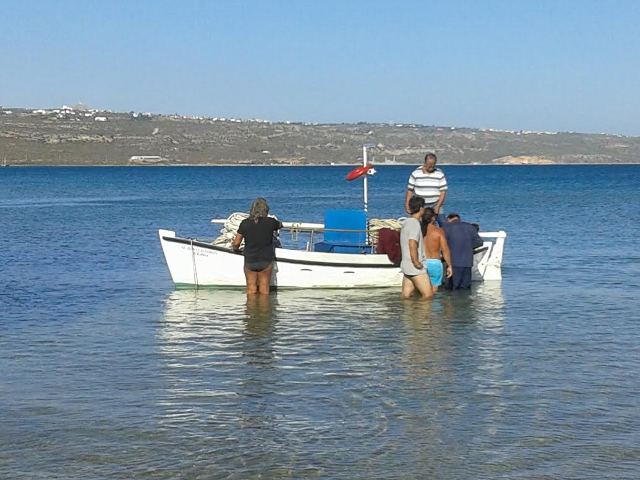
column 108, row 371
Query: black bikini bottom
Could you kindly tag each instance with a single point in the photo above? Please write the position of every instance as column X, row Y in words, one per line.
column 258, row 266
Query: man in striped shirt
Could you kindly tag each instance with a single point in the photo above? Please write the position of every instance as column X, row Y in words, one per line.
column 429, row 183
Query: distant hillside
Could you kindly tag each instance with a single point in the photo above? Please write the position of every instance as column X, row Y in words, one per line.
column 77, row 136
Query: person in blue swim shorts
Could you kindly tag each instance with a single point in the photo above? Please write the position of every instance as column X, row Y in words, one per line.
column 435, row 248
column 435, row 271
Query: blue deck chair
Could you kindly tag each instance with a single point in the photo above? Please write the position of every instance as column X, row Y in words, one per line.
column 344, row 242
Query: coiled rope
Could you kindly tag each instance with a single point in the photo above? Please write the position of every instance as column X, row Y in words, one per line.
column 229, row 230
column 376, row 224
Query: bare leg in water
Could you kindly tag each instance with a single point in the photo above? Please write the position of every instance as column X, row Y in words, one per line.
column 417, row 282
column 258, row 282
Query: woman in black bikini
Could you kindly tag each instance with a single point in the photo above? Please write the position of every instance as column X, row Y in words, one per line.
column 259, row 250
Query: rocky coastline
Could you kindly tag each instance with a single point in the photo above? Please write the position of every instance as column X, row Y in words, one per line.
column 80, row 136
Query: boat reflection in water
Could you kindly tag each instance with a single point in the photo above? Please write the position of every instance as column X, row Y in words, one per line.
column 223, row 325
column 313, row 378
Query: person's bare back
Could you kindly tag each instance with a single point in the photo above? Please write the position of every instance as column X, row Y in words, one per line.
column 435, row 242
column 436, row 246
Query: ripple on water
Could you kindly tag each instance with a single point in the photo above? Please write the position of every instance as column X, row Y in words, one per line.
column 107, row 372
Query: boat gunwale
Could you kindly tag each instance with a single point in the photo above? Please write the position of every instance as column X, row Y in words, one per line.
column 201, row 244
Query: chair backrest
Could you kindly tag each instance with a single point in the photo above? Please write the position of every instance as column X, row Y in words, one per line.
column 344, row 219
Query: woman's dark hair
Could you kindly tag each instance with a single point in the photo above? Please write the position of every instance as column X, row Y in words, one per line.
column 259, row 208
column 429, row 215
column 415, row 204
column 427, row 218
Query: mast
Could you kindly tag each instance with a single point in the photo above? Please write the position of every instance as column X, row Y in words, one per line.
column 365, row 185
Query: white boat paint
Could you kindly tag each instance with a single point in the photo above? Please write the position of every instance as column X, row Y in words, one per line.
column 200, row 264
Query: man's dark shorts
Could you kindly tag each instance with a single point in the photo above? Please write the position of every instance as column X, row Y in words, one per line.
column 461, row 279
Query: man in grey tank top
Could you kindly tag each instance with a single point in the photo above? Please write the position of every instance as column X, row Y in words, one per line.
column 412, row 246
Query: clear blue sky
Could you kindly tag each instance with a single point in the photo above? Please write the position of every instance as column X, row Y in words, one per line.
column 530, row 65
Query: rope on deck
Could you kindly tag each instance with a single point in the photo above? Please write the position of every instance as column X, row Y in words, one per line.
column 229, row 229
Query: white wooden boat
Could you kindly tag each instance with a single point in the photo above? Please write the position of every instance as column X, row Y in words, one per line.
column 199, row 263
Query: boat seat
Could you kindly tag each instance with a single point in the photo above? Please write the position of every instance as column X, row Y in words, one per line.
column 345, row 232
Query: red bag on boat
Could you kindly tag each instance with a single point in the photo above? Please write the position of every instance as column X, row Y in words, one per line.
column 389, row 243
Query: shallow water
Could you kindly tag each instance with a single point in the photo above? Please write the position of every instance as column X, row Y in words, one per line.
column 107, row 371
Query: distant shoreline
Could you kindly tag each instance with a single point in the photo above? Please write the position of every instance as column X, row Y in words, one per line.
column 244, row 165
column 83, row 137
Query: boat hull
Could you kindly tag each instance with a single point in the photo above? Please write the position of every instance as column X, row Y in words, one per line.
column 200, row 264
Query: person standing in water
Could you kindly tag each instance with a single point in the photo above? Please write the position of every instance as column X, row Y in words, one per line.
column 412, row 247
column 258, row 231
column 435, row 248
column 462, row 238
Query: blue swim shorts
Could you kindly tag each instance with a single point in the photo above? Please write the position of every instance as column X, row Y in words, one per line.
column 435, row 271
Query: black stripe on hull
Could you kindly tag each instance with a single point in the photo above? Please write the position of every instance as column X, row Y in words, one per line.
column 208, row 246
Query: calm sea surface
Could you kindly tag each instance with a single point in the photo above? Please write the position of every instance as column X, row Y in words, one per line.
column 107, row 371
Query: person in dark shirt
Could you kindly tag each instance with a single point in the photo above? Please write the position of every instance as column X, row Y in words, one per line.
column 462, row 238
column 259, row 249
